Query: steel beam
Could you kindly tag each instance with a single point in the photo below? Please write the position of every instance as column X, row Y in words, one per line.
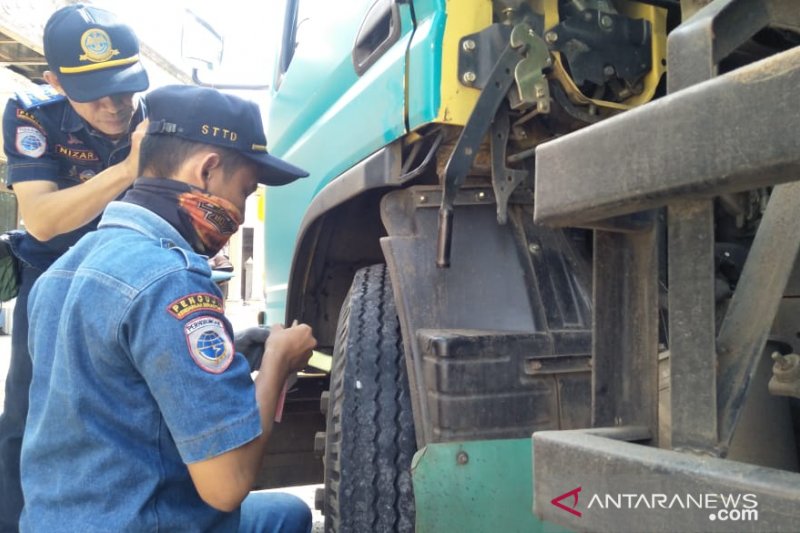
column 625, row 330
column 755, row 302
column 711, row 138
column 693, row 369
column 696, row 47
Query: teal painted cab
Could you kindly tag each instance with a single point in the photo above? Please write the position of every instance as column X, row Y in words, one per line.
column 425, row 62
column 332, row 106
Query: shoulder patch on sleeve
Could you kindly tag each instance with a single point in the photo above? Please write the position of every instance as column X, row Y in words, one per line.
column 28, row 117
column 30, row 141
column 209, row 344
column 191, row 303
column 38, row 96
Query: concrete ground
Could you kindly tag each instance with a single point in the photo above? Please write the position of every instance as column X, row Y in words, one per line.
column 241, row 315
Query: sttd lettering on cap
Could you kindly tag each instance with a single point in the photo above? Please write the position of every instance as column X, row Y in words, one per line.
column 216, row 131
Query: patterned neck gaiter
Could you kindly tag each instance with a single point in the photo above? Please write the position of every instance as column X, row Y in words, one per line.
column 204, row 220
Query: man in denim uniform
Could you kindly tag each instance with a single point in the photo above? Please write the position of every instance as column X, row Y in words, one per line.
column 69, row 154
column 143, row 416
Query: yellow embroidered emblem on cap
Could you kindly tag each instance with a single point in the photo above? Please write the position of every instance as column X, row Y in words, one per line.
column 96, row 45
column 258, row 147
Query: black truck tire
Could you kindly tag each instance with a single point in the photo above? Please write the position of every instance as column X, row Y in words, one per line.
column 370, row 428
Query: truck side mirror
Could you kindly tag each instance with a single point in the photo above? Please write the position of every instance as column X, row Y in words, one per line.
column 201, row 45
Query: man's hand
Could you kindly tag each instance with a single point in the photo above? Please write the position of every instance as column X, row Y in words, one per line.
column 288, row 349
column 131, row 163
column 49, row 211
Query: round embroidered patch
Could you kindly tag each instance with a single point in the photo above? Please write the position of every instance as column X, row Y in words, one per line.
column 209, row 344
column 96, row 45
column 87, row 174
column 30, row 141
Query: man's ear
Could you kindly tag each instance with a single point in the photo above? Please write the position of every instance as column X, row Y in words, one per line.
column 53, row 81
column 210, row 163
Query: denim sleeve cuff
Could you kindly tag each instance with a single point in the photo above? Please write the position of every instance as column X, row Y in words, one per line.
column 220, row 439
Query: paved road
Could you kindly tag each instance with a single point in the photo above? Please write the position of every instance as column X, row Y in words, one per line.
column 241, row 316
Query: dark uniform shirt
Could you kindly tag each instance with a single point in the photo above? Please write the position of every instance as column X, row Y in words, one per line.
column 45, row 139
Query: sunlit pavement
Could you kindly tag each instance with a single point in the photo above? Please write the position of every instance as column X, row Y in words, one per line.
column 241, row 316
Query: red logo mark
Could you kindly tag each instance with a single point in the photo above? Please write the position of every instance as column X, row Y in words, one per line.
column 574, row 493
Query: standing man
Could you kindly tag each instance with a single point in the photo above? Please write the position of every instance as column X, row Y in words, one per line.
column 143, row 416
column 69, row 154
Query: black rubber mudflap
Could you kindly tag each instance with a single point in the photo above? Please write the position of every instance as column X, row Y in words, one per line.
column 370, row 428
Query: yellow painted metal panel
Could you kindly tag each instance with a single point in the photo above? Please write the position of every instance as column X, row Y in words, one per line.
column 463, row 18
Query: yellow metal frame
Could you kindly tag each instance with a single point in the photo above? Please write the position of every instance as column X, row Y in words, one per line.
column 470, row 16
column 463, row 18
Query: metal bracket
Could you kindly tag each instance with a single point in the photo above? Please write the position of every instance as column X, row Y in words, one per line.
column 478, row 54
column 504, row 179
column 468, row 144
column 531, row 83
column 504, row 74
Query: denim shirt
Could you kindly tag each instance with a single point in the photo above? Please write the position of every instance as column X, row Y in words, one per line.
column 134, row 376
column 46, row 140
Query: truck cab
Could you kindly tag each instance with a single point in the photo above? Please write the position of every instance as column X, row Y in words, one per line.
column 515, row 248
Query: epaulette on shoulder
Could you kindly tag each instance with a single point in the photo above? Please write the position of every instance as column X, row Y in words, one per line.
column 190, row 261
column 198, row 264
column 38, row 96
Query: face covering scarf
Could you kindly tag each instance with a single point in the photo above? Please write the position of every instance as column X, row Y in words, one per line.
column 204, row 220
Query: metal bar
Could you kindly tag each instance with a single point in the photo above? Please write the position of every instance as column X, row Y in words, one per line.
column 654, row 486
column 697, row 46
column 690, row 7
column 469, row 142
column 754, row 305
column 694, row 50
column 784, row 14
column 691, row 150
column 626, row 433
column 633, row 223
column 625, row 330
column 693, row 369
column 23, row 63
column 504, row 179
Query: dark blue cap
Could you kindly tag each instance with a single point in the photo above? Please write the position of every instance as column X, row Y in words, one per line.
column 205, row 115
column 92, row 53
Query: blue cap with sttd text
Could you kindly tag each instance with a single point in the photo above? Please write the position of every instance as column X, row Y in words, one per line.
column 205, row 115
column 92, row 53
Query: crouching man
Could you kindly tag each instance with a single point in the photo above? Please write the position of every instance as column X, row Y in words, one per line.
column 143, row 415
